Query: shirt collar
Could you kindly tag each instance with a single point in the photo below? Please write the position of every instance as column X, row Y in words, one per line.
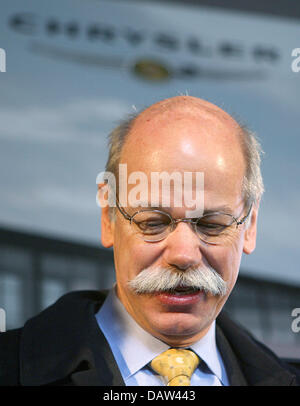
column 134, row 348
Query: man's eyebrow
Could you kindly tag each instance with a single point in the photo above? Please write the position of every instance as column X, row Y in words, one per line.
column 219, row 209
column 145, row 205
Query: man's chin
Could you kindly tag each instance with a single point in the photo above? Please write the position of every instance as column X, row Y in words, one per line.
column 173, row 318
column 180, row 324
column 180, row 329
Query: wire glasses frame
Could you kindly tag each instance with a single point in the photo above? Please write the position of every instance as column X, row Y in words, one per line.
column 173, row 223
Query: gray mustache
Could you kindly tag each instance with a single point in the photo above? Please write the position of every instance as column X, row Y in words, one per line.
column 160, row 279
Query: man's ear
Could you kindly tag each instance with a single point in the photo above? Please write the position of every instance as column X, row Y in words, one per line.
column 107, row 225
column 250, row 232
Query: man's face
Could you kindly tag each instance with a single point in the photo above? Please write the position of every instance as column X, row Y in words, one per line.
column 185, row 142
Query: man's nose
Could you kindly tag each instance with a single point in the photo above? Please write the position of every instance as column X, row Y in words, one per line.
column 183, row 248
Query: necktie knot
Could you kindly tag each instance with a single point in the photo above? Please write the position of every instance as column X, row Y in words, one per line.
column 176, row 366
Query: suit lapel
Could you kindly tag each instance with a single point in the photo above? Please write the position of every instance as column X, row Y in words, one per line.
column 233, row 370
column 64, row 345
column 105, row 362
column 91, row 377
column 103, row 370
column 248, row 358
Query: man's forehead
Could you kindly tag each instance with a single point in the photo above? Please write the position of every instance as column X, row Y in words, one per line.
column 183, row 145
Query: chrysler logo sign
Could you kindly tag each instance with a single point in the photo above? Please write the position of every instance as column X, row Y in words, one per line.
column 108, row 38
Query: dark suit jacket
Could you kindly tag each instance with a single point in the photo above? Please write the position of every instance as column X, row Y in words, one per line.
column 63, row 345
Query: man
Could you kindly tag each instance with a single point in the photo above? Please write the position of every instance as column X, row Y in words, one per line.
column 174, row 270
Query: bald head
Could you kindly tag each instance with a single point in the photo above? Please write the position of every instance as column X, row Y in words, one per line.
column 184, row 106
column 187, row 103
column 186, row 133
column 212, row 121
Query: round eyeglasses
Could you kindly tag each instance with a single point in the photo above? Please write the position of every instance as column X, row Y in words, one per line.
column 155, row 225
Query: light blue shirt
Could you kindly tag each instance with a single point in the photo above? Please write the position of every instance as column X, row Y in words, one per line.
column 134, row 348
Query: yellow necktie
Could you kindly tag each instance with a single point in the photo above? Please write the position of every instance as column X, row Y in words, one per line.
column 176, row 366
